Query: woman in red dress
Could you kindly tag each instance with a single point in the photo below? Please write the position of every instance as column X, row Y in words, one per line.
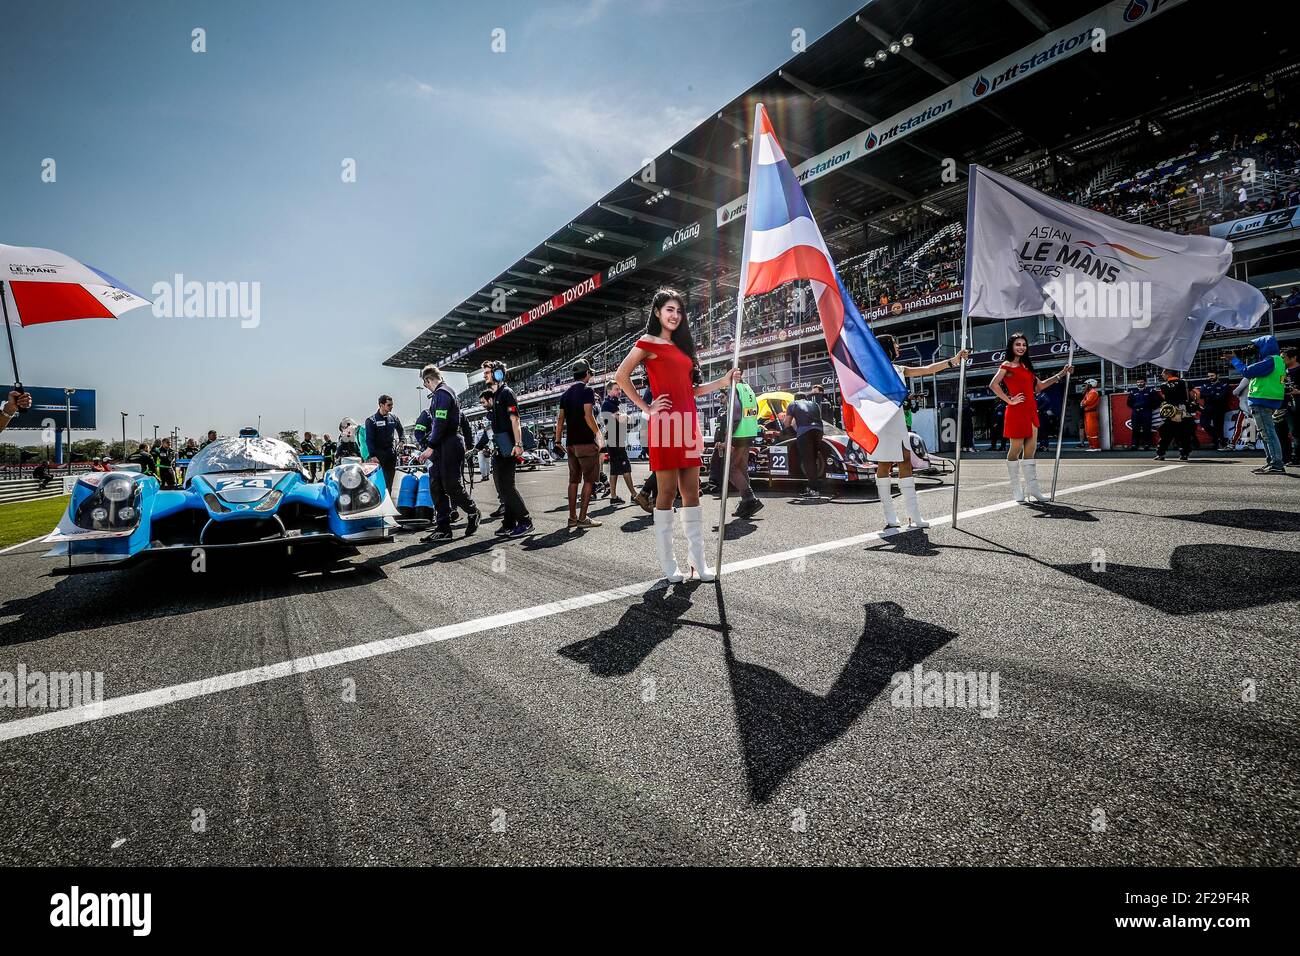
column 1017, row 385
column 668, row 353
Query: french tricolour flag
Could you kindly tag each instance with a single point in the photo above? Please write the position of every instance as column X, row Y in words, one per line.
column 782, row 243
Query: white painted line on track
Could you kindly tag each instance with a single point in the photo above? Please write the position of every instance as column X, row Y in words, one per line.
column 22, row 544
column 147, row 700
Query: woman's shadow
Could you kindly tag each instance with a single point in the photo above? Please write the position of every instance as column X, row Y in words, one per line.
column 621, row 649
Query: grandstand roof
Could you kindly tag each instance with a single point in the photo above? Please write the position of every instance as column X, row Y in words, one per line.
column 1075, row 111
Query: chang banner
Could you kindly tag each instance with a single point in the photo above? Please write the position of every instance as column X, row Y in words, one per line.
column 1033, row 58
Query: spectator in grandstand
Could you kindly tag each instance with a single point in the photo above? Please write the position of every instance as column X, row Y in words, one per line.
column 1141, row 402
column 576, row 427
column 445, row 452
column 507, row 440
column 806, row 418
column 383, row 436
column 614, row 421
column 668, row 354
column 1020, row 425
column 1267, row 394
column 1213, row 398
column 892, row 446
column 1176, row 414
column 1294, row 297
column 14, row 403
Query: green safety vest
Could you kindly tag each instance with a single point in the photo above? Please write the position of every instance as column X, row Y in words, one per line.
column 1270, row 386
column 747, row 427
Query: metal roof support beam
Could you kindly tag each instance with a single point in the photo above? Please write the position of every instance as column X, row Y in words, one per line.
column 640, row 216
column 705, row 164
column 1030, row 13
column 579, row 251
column 608, row 234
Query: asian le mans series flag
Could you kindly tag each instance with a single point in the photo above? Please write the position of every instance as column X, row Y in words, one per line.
column 782, row 244
column 1126, row 292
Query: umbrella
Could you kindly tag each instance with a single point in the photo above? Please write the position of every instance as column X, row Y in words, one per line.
column 41, row 285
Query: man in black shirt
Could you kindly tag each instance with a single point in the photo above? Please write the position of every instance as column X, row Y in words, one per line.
column 445, row 452
column 384, row 436
column 582, row 446
column 507, row 446
column 805, row 418
column 1178, row 423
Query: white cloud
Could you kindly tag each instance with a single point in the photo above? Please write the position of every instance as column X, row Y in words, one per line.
column 574, row 146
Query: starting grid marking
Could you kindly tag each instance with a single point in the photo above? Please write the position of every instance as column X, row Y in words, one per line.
column 160, row 697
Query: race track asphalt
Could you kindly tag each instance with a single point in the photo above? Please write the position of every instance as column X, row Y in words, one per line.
column 1124, row 624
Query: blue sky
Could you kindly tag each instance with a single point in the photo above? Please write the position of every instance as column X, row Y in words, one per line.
column 225, row 166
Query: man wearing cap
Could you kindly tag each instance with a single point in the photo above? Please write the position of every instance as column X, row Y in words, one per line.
column 507, row 442
column 445, row 452
column 1091, row 405
column 584, row 440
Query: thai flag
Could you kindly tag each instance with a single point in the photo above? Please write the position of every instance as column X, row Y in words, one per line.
column 782, row 243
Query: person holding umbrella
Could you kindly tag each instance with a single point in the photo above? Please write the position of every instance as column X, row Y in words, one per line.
column 16, row 402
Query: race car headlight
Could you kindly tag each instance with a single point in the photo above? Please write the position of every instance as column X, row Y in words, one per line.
column 361, row 497
column 114, row 506
column 116, row 489
column 270, row 502
column 351, row 477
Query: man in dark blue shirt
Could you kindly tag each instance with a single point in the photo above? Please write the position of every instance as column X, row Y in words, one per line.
column 1214, row 403
column 806, row 419
column 383, row 436
column 445, row 453
column 1142, row 401
column 614, row 420
column 581, row 443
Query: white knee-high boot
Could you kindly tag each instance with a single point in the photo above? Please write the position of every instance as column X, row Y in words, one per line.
column 1013, row 472
column 664, row 544
column 908, row 487
column 1032, row 491
column 885, row 491
column 693, row 524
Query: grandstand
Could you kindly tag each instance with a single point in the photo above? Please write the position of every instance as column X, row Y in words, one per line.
column 1174, row 125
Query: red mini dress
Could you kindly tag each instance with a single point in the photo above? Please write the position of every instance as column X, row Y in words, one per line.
column 674, row 439
column 1021, row 419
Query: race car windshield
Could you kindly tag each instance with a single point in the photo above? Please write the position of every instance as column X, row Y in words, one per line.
column 227, row 455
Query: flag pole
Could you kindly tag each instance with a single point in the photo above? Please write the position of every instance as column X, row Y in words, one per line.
column 1060, row 427
column 13, row 355
column 735, row 356
column 965, row 332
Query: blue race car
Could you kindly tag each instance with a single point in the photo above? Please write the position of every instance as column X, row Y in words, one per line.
column 237, row 492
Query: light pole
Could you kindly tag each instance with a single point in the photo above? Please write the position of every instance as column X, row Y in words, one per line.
column 124, row 435
column 67, row 394
column 142, row 428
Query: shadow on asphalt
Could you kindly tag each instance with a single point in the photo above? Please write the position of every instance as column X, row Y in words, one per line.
column 782, row 725
column 621, row 649
column 1196, row 582
column 167, row 585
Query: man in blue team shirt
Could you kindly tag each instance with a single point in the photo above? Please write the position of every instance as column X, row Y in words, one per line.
column 805, row 418
column 1214, row 403
column 383, row 436
column 1142, row 401
column 445, row 452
